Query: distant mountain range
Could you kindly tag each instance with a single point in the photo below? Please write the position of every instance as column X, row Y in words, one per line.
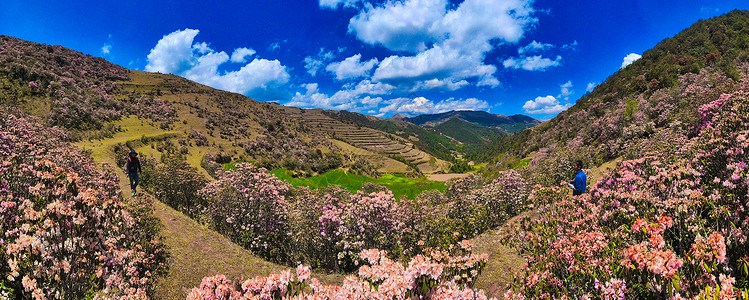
column 507, row 124
column 471, row 128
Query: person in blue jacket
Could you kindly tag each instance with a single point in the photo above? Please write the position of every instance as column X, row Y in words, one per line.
column 132, row 169
column 581, row 181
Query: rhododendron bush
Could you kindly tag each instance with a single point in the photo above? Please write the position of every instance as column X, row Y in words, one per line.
column 80, row 90
column 436, row 274
column 250, row 207
column 667, row 225
column 67, row 233
column 328, row 228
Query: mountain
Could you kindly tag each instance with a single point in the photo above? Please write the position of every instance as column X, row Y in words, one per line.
column 507, row 124
column 468, row 133
column 166, row 115
column 651, row 105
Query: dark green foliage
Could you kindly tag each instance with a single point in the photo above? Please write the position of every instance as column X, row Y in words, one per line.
column 508, row 124
column 460, row 166
column 470, row 134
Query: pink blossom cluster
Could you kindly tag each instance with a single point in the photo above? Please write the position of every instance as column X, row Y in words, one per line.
column 250, row 206
column 66, row 230
column 669, row 224
column 712, row 248
column 199, row 138
column 437, row 275
column 83, row 87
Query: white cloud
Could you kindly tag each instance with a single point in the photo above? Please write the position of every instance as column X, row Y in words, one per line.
column 106, row 49
column 591, row 86
column 376, row 88
column 274, row 46
column 447, row 42
column 533, row 63
column 353, row 97
column 566, row 90
column 630, row 58
column 176, row 53
column 313, row 64
column 240, row 54
column 570, row 46
column 351, row 67
column 443, row 64
column 437, row 84
column 173, row 53
column 350, row 100
column 535, row 47
column 333, row 4
column 421, row 105
column 544, row 105
column 400, row 25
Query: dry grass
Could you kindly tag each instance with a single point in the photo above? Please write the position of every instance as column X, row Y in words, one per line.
column 197, row 251
column 503, row 260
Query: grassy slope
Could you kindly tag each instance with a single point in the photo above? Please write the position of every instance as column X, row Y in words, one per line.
column 196, row 251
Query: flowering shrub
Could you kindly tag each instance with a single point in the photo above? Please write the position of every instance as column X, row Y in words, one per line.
column 249, row 205
column 669, row 225
column 80, row 89
column 363, row 221
column 67, row 232
column 328, row 228
column 434, row 275
column 175, row 182
column 199, row 138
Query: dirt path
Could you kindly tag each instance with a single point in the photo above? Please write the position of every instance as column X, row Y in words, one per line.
column 197, row 251
column 445, row 177
column 503, row 260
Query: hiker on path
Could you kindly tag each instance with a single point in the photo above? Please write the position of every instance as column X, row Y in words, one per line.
column 132, row 169
column 580, row 182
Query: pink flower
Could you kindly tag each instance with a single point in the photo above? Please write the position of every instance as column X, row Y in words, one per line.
column 303, row 273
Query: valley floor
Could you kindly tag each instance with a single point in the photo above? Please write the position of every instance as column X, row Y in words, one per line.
column 197, row 251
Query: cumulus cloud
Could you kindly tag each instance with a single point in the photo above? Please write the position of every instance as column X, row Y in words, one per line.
column 533, row 63
column 437, row 84
column 421, row 105
column 351, row 67
column 401, row 25
column 176, row 53
column 535, row 47
column 240, row 55
column 446, row 42
column 591, row 86
column 313, row 63
column 544, row 105
column 630, row 58
column 364, row 95
column 173, row 53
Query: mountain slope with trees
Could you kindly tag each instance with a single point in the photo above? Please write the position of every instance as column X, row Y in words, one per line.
column 660, row 91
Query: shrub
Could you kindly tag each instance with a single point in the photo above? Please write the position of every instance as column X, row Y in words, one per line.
column 655, row 227
column 68, row 234
column 435, row 275
column 250, row 207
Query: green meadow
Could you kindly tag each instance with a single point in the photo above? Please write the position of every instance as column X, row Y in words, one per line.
column 400, row 185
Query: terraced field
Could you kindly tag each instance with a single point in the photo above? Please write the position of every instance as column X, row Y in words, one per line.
column 369, row 139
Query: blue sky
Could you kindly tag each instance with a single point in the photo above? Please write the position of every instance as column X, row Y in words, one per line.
column 375, row 57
